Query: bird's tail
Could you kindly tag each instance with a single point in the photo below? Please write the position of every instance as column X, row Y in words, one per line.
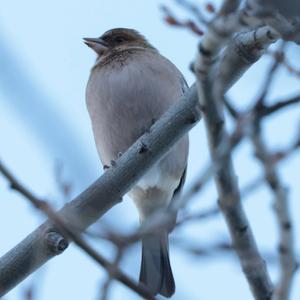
column 156, row 272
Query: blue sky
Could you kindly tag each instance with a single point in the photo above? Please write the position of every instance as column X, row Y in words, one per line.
column 44, row 68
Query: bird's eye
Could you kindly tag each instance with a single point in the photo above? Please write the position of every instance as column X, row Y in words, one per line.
column 119, row 39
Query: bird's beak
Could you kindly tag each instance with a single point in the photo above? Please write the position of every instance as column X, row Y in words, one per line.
column 97, row 44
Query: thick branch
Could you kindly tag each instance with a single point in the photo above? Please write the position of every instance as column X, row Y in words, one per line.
column 210, row 96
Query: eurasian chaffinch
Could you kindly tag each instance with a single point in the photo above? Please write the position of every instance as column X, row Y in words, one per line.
column 131, row 85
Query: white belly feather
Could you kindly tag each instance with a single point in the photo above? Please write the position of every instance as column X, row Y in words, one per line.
column 156, row 178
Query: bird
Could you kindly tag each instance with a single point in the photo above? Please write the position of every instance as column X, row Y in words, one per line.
column 131, row 85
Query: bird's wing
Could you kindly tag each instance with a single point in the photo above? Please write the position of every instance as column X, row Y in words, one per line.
column 184, row 85
column 180, row 185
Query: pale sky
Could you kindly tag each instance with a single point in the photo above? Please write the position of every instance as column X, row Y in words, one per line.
column 44, row 67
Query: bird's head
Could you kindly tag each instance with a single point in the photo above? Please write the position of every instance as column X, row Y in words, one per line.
column 117, row 39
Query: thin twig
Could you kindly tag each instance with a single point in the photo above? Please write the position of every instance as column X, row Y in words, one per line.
column 229, row 6
column 269, row 79
column 287, row 256
column 267, row 110
column 291, row 69
column 111, row 274
column 172, row 20
column 194, row 9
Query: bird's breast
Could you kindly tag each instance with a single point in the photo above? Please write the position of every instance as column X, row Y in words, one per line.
column 123, row 102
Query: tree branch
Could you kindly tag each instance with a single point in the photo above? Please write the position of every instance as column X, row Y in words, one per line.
column 210, row 95
column 267, row 110
column 287, row 256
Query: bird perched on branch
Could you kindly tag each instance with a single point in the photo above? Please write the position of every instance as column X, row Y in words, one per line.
column 131, row 85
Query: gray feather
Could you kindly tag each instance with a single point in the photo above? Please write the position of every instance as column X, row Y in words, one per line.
column 156, row 272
